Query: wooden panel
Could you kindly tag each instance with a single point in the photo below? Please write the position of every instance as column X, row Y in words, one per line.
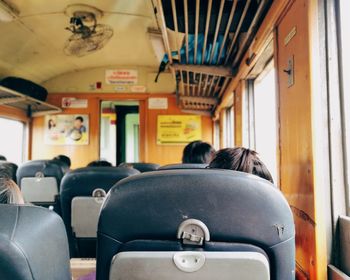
column 149, row 150
column 80, row 155
column 296, row 136
column 165, row 154
column 13, row 113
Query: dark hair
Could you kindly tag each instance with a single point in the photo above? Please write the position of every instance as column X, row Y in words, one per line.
column 80, row 118
column 66, row 160
column 100, row 163
column 197, row 152
column 9, row 191
column 241, row 159
column 51, row 125
column 2, row 157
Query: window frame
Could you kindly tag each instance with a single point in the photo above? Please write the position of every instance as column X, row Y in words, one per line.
column 343, row 85
column 230, row 127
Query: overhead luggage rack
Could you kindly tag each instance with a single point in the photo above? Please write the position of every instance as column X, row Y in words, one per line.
column 31, row 106
column 205, row 41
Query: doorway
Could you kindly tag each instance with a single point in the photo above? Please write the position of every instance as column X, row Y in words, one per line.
column 120, row 131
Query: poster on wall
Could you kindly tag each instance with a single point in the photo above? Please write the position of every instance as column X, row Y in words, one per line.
column 178, row 129
column 67, row 130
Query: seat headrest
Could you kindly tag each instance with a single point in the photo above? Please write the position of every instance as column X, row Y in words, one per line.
column 35, row 168
column 235, row 206
column 33, row 244
column 144, row 167
column 83, row 181
column 9, row 168
column 183, row 166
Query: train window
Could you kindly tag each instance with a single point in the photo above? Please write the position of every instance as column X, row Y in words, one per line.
column 132, row 137
column 120, row 129
column 265, row 118
column 230, row 127
column 12, row 140
column 216, row 138
column 344, row 8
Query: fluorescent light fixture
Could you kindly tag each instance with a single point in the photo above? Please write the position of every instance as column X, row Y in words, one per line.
column 7, row 13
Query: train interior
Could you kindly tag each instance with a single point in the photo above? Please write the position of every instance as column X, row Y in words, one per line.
column 121, row 87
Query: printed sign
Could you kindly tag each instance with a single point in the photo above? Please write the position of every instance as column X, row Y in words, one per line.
column 121, row 77
column 138, row 89
column 157, row 103
column 67, row 130
column 178, row 129
column 71, row 102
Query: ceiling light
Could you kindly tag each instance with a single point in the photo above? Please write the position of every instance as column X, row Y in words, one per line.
column 7, row 13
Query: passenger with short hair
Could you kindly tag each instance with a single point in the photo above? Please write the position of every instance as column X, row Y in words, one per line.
column 198, row 152
column 241, row 159
column 126, row 165
column 3, row 158
column 62, row 158
column 9, row 191
column 99, row 163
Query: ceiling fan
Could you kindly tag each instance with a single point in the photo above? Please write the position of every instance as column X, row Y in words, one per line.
column 88, row 36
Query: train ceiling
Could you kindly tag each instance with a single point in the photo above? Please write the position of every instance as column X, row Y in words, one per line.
column 211, row 37
column 32, row 44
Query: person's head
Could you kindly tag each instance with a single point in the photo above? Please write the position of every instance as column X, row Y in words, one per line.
column 66, row 160
column 126, row 165
column 78, row 122
column 241, row 159
column 51, row 123
column 99, row 163
column 9, row 191
column 3, row 157
column 197, row 152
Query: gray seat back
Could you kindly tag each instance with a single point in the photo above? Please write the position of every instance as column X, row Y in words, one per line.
column 242, row 213
column 39, row 181
column 183, row 166
column 80, row 210
column 143, row 167
column 33, row 244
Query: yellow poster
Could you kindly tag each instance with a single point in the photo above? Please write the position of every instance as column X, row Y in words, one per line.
column 178, row 129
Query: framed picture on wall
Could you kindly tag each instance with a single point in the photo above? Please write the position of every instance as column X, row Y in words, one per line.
column 67, row 130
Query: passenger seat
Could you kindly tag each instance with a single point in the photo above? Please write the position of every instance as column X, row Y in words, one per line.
column 83, row 192
column 195, row 224
column 183, row 166
column 33, row 244
column 39, row 181
column 142, row 167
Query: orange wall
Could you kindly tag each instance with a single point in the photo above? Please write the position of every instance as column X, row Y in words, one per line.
column 164, row 154
column 80, row 155
column 150, row 151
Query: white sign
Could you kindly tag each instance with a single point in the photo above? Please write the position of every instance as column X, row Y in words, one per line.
column 71, row 102
column 138, row 89
column 121, row 77
column 157, row 103
column 120, row 88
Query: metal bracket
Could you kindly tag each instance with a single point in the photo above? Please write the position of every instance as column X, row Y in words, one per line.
column 290, row 71
column 193, row 232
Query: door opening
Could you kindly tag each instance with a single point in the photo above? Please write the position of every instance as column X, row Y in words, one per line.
column 119, row 134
